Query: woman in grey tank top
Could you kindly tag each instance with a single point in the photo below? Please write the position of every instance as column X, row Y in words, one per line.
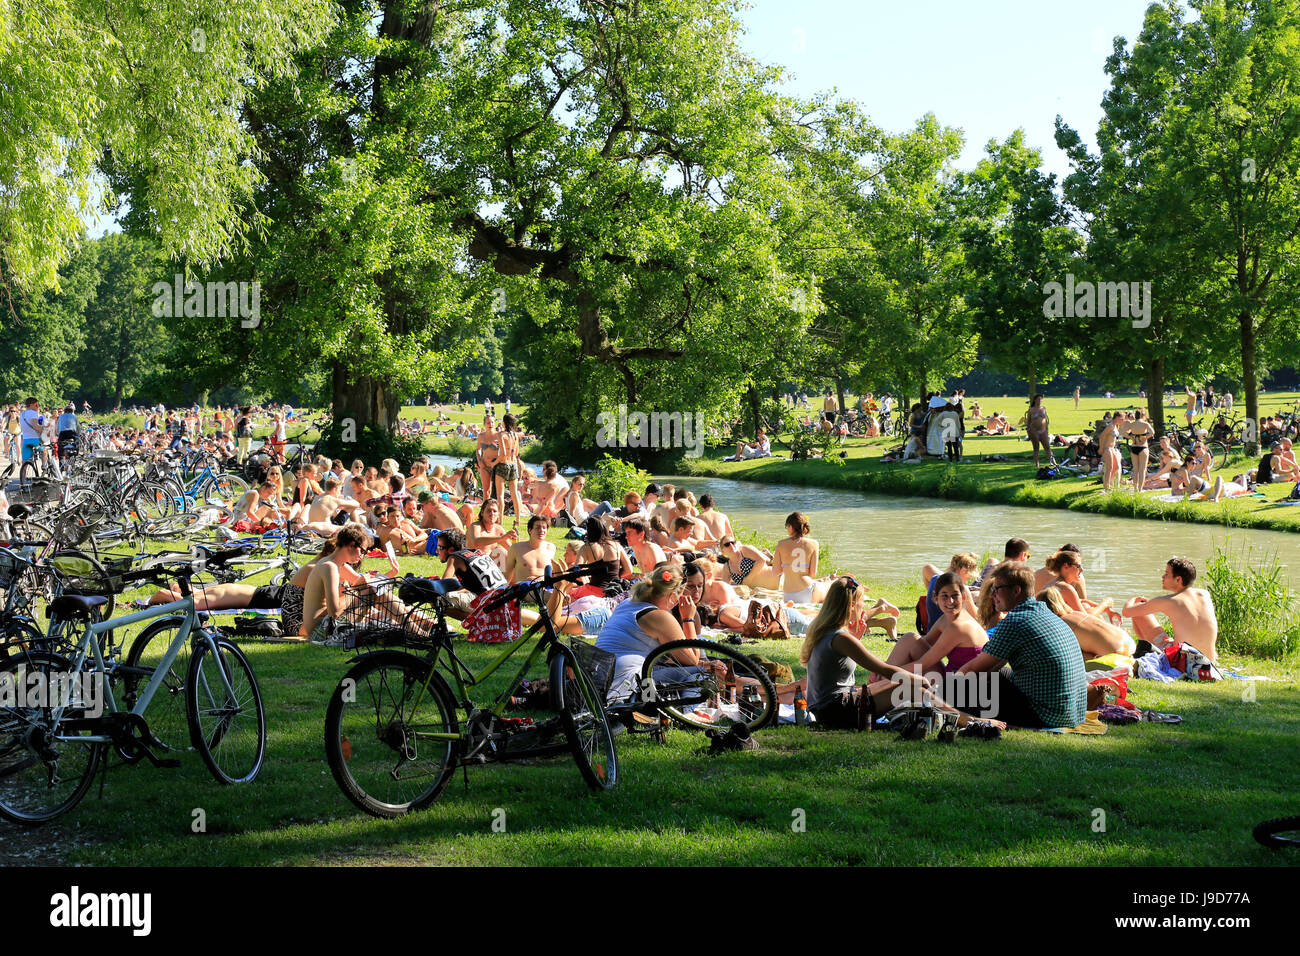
column 833, row 649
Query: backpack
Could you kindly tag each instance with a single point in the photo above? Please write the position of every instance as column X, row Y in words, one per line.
column 1295, row 493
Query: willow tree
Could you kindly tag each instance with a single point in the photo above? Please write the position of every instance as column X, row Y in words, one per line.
column 158, row 85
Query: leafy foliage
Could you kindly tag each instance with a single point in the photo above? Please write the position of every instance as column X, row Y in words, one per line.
column 613, row 478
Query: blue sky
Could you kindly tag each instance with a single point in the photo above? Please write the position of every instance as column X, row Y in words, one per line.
column 986, row 67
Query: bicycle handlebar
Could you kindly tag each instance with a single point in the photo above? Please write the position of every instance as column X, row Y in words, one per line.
column 516, row 591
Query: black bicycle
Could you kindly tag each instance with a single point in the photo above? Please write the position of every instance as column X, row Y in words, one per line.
column 1282, row 832
column 395, row 732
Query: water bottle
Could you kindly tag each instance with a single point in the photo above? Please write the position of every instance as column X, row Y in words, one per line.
column 800, row 708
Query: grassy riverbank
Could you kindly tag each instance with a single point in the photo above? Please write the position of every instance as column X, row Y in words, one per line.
column 1013, row 481
column 865, row 798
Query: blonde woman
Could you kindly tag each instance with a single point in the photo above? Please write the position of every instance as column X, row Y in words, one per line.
column 416, row 481
column 833, row 649
column 643, row 622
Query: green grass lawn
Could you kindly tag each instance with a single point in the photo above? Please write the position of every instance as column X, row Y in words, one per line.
column 1013, row 481
column 1185, row 794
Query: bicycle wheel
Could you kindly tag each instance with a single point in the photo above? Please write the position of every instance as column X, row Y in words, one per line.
column 1282, row 832
column 27, row 530
column 227, row 726
column 229, row 488
column 374, row 734
column 18, row 636
column 699, row 697
column 166, row 714
column 583, row 715
column 152, row 503
column 44, row 769
column 28, row 475
column 304, row 542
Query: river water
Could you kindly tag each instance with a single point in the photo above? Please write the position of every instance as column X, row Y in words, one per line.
column 888, row 538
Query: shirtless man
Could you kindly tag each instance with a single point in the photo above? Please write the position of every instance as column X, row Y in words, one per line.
column 830, row 407
column 399, row 531
column 1286, row 464
column 325, row 506
column 435, row 514
column 1190, row 611
column 549, row 491
column 1169, row 463
column 528, row 560
column 323, row 597
column 719, row 524
column 259, row 506
column 648, row 554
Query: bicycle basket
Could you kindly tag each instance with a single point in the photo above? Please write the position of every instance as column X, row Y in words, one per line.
column 598, row 664
column 11, row 566
column 377, row 615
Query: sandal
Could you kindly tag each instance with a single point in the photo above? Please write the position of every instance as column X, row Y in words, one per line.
column 751, row 628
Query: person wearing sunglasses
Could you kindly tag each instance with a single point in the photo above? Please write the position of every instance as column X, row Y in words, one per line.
column 1047, row 686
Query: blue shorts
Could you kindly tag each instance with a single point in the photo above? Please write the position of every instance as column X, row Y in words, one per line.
column 29, row 447
column 594, row 619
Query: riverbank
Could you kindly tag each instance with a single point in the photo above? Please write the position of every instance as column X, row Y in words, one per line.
column 1010, row 482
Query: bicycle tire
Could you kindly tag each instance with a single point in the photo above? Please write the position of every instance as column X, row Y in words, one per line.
column 25, row 529
column 220, row 727
column 18, row 636
column 582, row 714
column 40, row 777
column 367, row 725
column 679, row 697
column 27, row 476
column 229, row 487
column 168, row 715
column 152, row 502
column 1279, row 833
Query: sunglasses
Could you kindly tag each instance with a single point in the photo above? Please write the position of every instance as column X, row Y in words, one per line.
column 850, row 582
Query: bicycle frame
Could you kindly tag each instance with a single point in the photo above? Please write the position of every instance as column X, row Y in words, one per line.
column 465, row 679
column 89, row 645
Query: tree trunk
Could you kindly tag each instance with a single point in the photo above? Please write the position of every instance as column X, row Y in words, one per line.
column 1033, row 384
column 1156, row 394
column 1249, row 381
column 755, row 408
column 362, row 401
column 839, row 393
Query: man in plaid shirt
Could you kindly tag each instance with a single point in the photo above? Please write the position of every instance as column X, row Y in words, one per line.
column 1046, row 686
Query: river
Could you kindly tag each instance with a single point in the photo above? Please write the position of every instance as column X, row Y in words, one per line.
column 888, row 538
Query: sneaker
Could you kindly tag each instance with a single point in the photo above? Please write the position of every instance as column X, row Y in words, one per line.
column 980, row 730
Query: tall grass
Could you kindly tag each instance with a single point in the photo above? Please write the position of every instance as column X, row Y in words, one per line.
column 1257, row 610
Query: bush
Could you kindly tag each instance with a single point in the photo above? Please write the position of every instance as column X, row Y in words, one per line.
column 1257, row 611
column 614, row 478
column 372, row 445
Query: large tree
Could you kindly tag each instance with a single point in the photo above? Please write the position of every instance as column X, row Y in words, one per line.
column 1019, row 240
column 157, row 84
column 1198, row 177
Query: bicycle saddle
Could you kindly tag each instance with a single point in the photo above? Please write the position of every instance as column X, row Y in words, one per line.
column 19, row 511
column 76, row 605
column 217, row 558
column 426, row 590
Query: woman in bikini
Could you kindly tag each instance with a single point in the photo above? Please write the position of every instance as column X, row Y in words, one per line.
column 1111, row 468
column 599, row 549
column 488, row 451
column 507, row 467
column 746, row 564
column 956, row 636
column 796, row 561
column 1036, row 426
column 488, row 536
column 1169, row 463
column 418, row 479
column 1096, row 637
column 1139, row 435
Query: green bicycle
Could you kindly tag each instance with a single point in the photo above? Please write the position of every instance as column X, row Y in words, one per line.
column 393, row 735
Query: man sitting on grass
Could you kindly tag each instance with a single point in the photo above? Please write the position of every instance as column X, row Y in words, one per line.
column 1190, row 611
column 1046, row 686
